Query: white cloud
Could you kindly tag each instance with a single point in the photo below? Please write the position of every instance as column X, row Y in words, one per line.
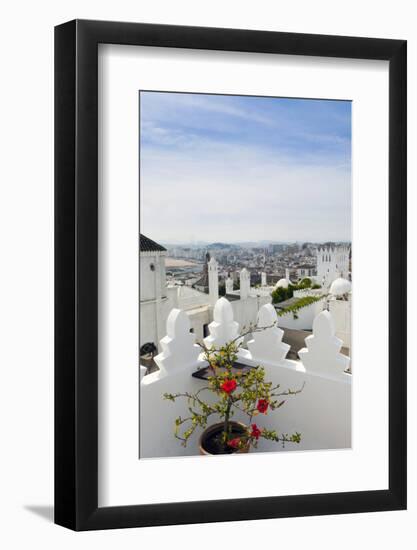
column 229, row 193
column 194, row 104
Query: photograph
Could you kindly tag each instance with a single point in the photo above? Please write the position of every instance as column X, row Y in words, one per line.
column 245, row 274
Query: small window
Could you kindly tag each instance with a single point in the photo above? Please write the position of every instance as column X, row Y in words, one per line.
column 152, row 267
column 205, row 330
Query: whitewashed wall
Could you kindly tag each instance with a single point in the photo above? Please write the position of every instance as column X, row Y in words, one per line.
column 152, row 275
column 154, row 304
column 153, row 315
column 246, row 311
column 305, row 317
column 321, row 412
column 308, row 292
column 199, row 317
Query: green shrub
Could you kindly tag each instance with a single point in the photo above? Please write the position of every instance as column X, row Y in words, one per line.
column 281, row 294
column 300, row 303
column 304, row 283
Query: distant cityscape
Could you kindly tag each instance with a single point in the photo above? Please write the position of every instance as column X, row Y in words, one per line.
column 185, row 262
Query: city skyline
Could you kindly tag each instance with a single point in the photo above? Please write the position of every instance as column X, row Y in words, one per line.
column 244, row 169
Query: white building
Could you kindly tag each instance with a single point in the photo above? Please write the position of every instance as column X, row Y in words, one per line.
column 154, row 306
column 305, row 271
column 331, row 264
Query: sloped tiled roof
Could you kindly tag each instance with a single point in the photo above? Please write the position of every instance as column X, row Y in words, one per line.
column 148, row 245
column 203, row 282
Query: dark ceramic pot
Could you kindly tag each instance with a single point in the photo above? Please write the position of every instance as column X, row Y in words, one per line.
column 208, row 442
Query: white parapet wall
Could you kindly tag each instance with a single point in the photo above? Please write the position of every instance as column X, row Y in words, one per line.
column 178, row 360
column 302, row 292
column 341, row 313
column 321, row 412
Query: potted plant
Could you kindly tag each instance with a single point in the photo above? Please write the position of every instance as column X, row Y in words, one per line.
column 229, row 392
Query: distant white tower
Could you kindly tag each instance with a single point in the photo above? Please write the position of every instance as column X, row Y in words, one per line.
column 263, row 278
column 331, row 264
column 229, row 285
column 213, row 277
column 287, row 274
column 244, row 284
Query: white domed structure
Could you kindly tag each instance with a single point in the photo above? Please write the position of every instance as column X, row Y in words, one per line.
column 282, row 283
column 340, row 286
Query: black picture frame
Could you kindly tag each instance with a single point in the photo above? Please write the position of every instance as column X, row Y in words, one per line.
column 76, row 272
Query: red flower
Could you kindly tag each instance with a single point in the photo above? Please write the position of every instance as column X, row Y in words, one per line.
column 228, row 386
column 256, row 432
column 262, row 405
column 234, row 442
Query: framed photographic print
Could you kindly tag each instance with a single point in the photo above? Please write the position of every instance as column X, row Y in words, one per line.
column 230, row 275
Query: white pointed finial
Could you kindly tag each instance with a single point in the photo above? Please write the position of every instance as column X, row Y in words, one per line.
column 223, row 329
column 267, row 345
column 322, row 354
column 179, row 350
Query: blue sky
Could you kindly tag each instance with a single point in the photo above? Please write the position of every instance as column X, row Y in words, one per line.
column 235, row 168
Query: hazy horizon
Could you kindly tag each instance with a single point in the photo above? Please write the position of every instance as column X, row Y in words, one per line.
column 233, row 169
column 242, row 242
